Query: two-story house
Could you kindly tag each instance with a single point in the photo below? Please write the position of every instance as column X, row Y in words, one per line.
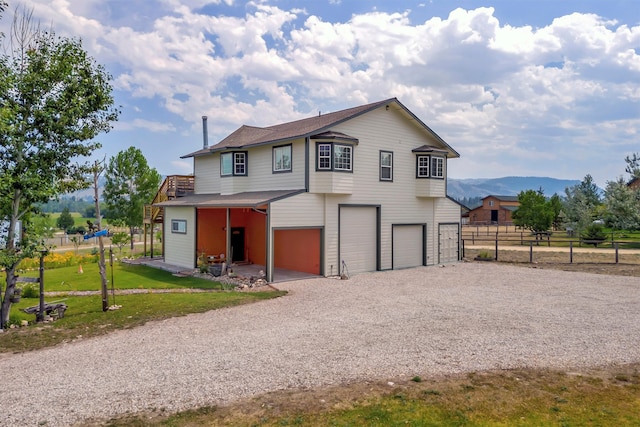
column 362, row 189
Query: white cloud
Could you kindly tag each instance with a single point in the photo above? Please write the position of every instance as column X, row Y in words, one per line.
column 492, row 90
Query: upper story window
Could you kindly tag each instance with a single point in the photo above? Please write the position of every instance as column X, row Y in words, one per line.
column 233, row 163
column 386, row 166
column 437, row 167
column 282, row 158
column 333, row 156
column 430, row 167
column 423, row 166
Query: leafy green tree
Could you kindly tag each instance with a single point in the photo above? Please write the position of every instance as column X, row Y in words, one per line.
column 54, row 100
column 535, row 212
column 633, row 165
column 555, row 202
column 593, row 234
column 130, row 183
column 65, row 220
column 581, row 203
column 90, row 212
column 120, row 239
column 622, row 206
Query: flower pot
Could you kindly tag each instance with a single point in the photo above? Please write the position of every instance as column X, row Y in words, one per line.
column 215, row 270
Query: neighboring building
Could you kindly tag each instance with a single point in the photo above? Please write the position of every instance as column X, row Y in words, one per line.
column 494, row 210
column 363, row 188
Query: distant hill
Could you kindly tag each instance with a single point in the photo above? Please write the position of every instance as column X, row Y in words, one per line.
column 507, row 186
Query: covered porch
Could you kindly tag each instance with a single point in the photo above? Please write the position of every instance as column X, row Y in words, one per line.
column 235, row 230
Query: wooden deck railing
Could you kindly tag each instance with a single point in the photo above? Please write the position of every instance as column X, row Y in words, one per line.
column 173, row 186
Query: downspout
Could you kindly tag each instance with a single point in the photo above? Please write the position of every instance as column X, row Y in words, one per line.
column 306, row 164
column 268, row 264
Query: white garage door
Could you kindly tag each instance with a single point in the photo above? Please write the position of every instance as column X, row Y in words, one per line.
column 358, row 238
column 448, row 243
column 408, row 246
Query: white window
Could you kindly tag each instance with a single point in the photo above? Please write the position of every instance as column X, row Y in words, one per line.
column 423, row 166
column 282, row 159
column 341, row 157
column 437, row 167
column 234, row 163
column 386, row 166
column 239, row 163
column 179, row 226
column 331, row 156
column 324, row 156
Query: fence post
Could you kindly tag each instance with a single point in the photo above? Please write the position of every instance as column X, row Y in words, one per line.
column 530, row 252
column 571, row 252
column 616, row 246
column 496, row 248
column 462, row 248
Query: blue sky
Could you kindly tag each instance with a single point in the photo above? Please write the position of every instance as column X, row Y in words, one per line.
column 525, row 88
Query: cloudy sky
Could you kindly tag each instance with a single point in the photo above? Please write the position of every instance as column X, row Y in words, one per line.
column 527, row 87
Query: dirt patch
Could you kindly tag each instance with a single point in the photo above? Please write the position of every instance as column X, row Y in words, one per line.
column 586, row 262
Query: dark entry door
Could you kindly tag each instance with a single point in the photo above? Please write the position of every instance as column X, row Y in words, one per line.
column 494, row 216
column 237, row 244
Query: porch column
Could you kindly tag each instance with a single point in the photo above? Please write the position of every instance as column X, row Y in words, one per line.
column 269, row 252
column 228, row 231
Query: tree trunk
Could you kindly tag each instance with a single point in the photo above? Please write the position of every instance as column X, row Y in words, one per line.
column 101, row 262
column 8, row 293
column 131, row 230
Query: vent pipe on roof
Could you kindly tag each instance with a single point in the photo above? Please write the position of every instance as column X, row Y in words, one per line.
column 205, row 137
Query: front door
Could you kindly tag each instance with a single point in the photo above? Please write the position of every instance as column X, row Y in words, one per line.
column 237, row 244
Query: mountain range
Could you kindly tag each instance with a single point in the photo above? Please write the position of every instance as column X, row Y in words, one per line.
column 506, row 186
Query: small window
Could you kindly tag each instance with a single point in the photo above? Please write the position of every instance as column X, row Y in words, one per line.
column 423, row 166
column 324, row 156
column 226, row 164
column 179, row 226
column 437, row 167
column 386, row 166
column 234, row 163
column 490, row 202
column 239, row 163
column 282, row 159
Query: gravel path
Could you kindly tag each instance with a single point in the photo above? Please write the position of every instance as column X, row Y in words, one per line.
column 424, row 321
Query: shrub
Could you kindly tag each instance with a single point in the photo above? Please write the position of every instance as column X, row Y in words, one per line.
column 30, row 291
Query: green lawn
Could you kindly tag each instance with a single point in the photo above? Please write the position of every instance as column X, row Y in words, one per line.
column 488, row 399
column 85, row 318
column 125, row 276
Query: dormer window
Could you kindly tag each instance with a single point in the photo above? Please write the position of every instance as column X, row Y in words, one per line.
column 430, row 162
column 332, row 156
column 233, row 163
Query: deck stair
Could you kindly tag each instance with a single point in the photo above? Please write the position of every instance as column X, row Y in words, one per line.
column 172, row 187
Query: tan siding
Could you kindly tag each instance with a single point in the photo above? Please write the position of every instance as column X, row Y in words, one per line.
column 206, row 170
column 303, row 210
column 180, row 248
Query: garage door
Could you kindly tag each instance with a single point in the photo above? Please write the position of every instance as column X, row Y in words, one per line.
column 448, row 243
column 297, row 249
column 358, row 238
column 408, row 246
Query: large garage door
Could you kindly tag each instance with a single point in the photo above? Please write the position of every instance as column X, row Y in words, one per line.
column 358, row 238
column 448, row 243
column 408, row 246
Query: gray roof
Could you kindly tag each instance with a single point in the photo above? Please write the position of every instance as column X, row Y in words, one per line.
column 249, row 199
column 248, row 136
column 503, row 198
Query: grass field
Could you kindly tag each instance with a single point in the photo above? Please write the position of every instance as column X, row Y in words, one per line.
column 85, row 318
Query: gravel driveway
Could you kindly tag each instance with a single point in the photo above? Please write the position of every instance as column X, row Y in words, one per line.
column 424, row 321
